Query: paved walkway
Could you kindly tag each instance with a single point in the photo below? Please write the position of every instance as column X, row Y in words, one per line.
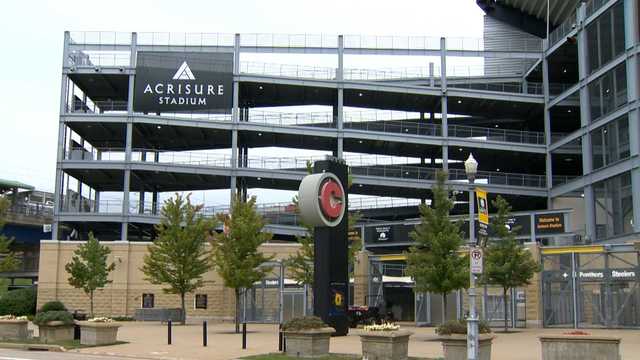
column 149, row 340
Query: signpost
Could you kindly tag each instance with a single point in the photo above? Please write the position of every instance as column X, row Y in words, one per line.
column 323, row 203
column 476, row 256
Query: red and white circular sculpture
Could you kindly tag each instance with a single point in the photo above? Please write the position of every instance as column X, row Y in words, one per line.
column 321, row 200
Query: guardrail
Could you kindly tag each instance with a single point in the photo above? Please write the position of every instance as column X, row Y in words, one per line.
column 30, row 210
column 379, row 166
column 563, row 29
column 496, row 134
column 271, row 40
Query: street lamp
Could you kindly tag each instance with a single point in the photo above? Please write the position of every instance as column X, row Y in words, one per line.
column 471, row 168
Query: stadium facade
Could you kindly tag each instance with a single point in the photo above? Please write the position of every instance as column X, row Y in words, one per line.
column 553, row 123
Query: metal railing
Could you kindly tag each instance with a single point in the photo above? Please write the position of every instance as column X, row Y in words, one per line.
column 396, row 126
column 106, row 206
column 378, row 166
column 595, row 5
column 563, row 29
column 30, row 210
column 271, row 40
column 99, row 58
column 495, row 134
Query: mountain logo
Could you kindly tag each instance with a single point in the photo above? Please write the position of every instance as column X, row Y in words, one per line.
column 184, row 72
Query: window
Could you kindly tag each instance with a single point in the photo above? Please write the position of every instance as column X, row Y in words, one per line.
column 613, row 206
column 148, row 301
column 610, row 143
column 605, row 37
column 608, row 92
column 200, row 301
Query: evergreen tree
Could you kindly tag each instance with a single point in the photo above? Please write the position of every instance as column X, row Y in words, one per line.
column 235, row 250
column 88, row 268
column 178, row 258
column 8, row 260
column 434, row 262
column 507, row 263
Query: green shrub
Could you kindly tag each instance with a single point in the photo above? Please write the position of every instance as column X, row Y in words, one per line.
column 21, row 302
column 53, row 306
column 122, row 318
column 44, row 317
column 460, row 327
column 304, row 323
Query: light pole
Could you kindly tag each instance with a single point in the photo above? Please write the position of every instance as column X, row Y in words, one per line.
column 471, row 168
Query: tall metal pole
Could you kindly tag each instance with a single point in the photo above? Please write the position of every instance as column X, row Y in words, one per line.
column 472, row 321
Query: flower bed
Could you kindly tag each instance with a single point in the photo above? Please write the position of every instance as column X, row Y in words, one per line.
column 385, row 342
column 98, row 331
column 54, row 326
column 13, row 327
column 453, row 335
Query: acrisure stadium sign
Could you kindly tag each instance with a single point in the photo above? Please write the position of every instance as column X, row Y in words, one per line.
column 321, row 199
column 183, row 82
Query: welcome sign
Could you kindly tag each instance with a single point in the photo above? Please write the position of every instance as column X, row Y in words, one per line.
column 183, row 82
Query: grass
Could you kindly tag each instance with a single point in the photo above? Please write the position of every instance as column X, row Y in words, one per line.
column 277, row 356
column 69, row 345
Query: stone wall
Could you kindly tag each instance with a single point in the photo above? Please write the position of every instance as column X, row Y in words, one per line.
column 124, row 294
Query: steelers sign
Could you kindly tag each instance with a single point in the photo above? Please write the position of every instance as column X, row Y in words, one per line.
column 321, row 199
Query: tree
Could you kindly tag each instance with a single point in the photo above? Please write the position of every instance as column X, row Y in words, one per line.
column 178, row 258
column 235, row 250
column 8, row 259
column 88, row 268
column 434, row 262
column 507, row 263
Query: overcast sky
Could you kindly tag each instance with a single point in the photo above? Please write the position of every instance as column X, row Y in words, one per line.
column 31, row 34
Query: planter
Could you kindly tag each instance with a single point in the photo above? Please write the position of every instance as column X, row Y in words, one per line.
column 385, row 345
column 308, row 343
column 55, row 331
column 13, row 329
column 455, row 346
column 96, row 333
column 583, row 347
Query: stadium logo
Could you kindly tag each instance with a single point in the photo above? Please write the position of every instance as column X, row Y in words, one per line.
column 184, row 72
column 322, row 200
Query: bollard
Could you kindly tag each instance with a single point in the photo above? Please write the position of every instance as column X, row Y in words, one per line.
column 169, row 332
column 280, row 335
column 244, row 336
column 204, row 333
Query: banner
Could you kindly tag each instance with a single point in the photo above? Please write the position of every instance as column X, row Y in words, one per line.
column 483, row 211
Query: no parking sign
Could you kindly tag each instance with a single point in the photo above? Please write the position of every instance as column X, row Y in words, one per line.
column 475, row 257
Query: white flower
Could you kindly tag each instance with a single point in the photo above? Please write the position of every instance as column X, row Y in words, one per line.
column 13, row 317
column 101, row 320
column 382, row 327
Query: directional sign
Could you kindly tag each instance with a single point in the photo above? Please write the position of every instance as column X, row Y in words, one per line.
column 475, row 257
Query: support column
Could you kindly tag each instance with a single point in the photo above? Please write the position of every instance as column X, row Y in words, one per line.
column 233, row 181
column 443, row 102
column 124, row 230
column 62, row 130
column 340, row 107
column 547, row 121
column 632, row 38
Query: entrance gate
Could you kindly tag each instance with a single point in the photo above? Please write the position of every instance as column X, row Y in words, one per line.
column 589, row 287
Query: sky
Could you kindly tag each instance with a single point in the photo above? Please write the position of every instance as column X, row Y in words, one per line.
column 31, row 34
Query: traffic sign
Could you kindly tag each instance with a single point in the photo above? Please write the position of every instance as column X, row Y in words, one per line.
column 475, row 256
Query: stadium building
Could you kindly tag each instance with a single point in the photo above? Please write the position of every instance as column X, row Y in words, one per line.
column 552, row 121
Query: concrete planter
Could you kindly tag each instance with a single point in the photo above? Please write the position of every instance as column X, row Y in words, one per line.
column 308, row 343
column 455, row 347
column 582, row 347
column 385, row 345
column 13, row 329
column 55, row 331
column 95, row 333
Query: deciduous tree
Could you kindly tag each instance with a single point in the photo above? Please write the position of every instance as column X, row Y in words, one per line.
column 8, row 259
column 88, row 269
column 235, row 250
column 177, row 258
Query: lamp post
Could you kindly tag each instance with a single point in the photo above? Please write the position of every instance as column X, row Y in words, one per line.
column 471, row 168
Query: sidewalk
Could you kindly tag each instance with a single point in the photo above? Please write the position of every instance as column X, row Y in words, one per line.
column 149, row 340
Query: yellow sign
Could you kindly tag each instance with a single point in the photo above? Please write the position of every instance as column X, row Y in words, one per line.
column 338, row 299
column 483, row 206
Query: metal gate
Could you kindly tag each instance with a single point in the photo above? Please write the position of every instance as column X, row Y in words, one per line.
column 493, row 310
column 423, row 309
column 592, row 287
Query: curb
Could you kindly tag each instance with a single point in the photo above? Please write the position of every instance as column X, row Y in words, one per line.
column 32, row 347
